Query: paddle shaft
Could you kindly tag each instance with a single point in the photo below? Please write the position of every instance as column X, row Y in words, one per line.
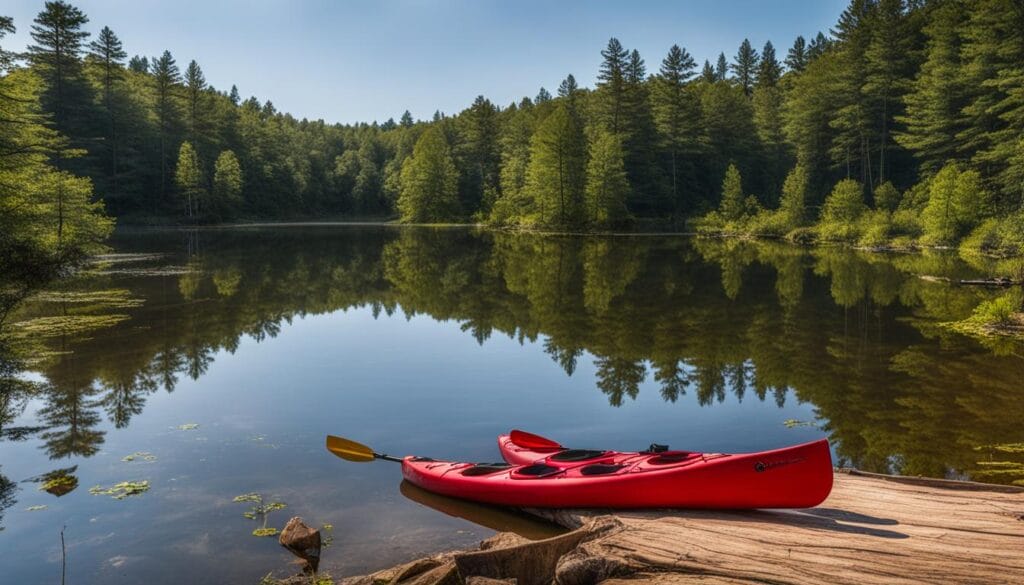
column 386, row 457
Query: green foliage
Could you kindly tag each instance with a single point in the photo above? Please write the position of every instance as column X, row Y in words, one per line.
column 188, row 176
column 227, row 183
column 557, row 172
column 887, row 197
column 957, row 202
column 733, row 206
column 841, row 214
column 429, row 191
column 793, row 205
column 607, row 185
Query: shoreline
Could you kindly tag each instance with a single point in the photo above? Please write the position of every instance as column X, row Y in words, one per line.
column 930, row 529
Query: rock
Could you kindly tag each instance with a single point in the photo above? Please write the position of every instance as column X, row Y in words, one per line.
column 302, row 540
column 298, row 536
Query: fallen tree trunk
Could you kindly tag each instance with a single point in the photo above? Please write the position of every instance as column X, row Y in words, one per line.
column 871, row 529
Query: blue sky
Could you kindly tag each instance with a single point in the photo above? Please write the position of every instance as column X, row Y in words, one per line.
column 364, row 60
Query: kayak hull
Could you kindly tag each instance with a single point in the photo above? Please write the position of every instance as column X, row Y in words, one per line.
column 793, row 477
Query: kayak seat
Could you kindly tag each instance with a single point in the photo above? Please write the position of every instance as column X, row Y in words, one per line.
column 600, row 469
column 670, row 457
column 485, row 469
column 576, row 455
column 537, row 470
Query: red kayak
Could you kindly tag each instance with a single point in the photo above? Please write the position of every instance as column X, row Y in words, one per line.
column 541, row 473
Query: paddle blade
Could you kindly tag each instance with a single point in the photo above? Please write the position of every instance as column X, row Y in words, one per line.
column 532, row 441
column 349, row 450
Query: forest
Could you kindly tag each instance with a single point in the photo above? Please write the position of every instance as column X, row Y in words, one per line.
column 902, row 126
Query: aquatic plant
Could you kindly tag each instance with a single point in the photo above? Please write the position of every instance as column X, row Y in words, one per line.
column 792, row 423
column 259, row 511
column 121, row 490
column 65, row 325
column 188, row 427
column 143, row 455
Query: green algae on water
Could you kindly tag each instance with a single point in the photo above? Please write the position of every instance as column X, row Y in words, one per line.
column 143, row 455
column 792, row 423
column 265, row 532
column 122, row 490
column 188, row 427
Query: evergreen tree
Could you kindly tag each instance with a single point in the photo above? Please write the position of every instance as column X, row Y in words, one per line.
column 556, row 173
column 482, row 155
column 676, row 113
column 932, row 120
column 733, row 203
column 707, row 74
column 845, row 205
column 227, row 183
column 406, row 121
column 188, row 177
column 56, row 55
column 745, row 66
column 543, row 96
column 108, row 51
column 607, row 185
column 430, row 181
column 769, row 69
column 195, row 85
column 234, row 96
column 796, row 59
column 611, row 86
column 640, row 140
column 721, row 68
column 165, row 80
column 139, row 64
column 793, row 204
column 887, row 71
column 819, row 44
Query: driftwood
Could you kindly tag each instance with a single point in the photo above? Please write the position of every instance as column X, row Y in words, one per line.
column 872, row 529
column 996, row 281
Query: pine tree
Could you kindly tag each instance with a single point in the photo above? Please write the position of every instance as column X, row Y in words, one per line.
column 556, row 173
column 56, row 56
column 482, row 156
column 607, row 185
column 108, row 51
column 845, row 205
column 165, row 80
column 543, row 96
column 676, row 113
column 819, row 44
column 611, row 86
column 769, row 70
column 406, row 121
column 430, row 181
column 139, row 64
column 570, row 92
column 796, row 59
column 234, row 96
column 721, row 68
column 993, row 119
column 793, row 204
column 932, row 120
column 640, row 140
column 887, row 69
column 195, row 85
column 707, row 74
column 745, row 66
column 188, row 177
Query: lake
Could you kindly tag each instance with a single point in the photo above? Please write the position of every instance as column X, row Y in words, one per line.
column 212, row 363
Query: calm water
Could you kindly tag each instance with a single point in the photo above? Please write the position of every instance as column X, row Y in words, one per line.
column 227, row 355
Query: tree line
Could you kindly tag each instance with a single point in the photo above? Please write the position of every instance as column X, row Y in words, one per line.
column 901, row 125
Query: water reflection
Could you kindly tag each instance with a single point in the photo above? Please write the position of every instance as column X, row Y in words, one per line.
column 857, row 335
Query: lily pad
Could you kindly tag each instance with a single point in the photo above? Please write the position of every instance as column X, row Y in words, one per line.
column 143, row 455
column 265, row 532
column 122, row 490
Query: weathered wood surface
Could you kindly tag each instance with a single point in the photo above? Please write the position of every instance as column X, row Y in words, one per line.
column 871, row 529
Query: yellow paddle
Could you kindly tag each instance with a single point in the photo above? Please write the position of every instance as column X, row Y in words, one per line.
column 353, row 451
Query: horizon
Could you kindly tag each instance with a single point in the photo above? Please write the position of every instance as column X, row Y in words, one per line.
column 446, row 77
